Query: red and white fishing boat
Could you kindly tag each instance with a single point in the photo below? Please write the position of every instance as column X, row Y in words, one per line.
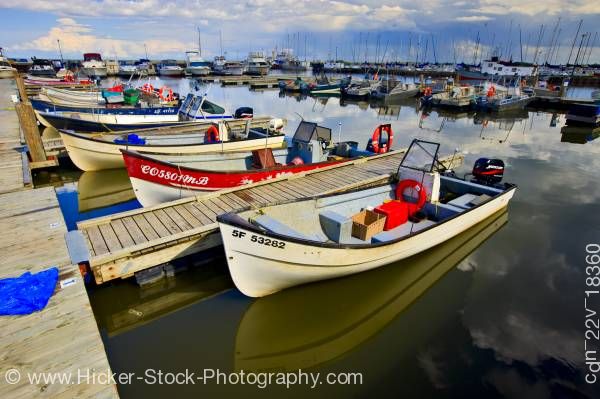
column 161, row 178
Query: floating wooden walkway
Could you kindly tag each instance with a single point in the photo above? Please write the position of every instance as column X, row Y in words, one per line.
column 63, row 337
column 122, row 244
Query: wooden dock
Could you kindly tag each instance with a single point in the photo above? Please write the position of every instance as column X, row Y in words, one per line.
column 63, row 337
column 14, row 172
column 122, row 244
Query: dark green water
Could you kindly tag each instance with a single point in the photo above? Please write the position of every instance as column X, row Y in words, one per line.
column 496, row 312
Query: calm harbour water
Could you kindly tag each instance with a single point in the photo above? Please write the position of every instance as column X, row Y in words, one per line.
column 496, row 312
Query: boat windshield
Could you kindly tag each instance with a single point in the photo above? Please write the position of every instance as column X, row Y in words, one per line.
column 212, row 108
column 308, row 131
column 186, row 103
column 421, row 155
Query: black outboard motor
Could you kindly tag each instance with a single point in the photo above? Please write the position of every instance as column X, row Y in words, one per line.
column 244, row 112
column 488, row 171
column 383, row 141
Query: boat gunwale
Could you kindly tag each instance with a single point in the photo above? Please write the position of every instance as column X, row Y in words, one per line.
column 136, row 154
column 227, row 220
column 96, row 140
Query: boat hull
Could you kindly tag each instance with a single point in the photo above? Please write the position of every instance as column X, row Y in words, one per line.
column 156, row 182
column 91, row 154
column 257, row 70
column 99, row 72
column 171, row 72
column 7, row 73
column 80, row 125
column 199, row 71
column 259, row 269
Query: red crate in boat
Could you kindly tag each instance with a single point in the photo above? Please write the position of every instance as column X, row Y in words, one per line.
column 396, row 213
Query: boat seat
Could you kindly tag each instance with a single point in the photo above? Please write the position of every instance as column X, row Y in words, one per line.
column 337, row 228
column 401, row 231
column 275, row 226
column 263, row 159
column 439, row 211
column 467, row 201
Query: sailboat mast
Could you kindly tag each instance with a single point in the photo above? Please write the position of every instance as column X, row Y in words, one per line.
column 60, row 50
column 221, row 41
column 592, row 47
column 574, row 41
column 521, row 42
column 539, row 41
column 199, row 42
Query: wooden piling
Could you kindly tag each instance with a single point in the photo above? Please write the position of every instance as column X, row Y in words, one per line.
column 30, row 129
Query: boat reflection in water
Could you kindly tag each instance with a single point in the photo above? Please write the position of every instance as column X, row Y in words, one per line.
column 124, row 306
column 579, row 134
column 307, row 326
column 104, row 188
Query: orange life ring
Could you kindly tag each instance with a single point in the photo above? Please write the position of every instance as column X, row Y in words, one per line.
column 161, row 94
column 416, row 186
column 148, row 88
column 212, row 134
column 428, row 91
column 491, row 91
column 387, row 128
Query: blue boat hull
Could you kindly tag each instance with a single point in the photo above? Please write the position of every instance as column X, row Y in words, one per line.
column 66, row 123
column 44, row 106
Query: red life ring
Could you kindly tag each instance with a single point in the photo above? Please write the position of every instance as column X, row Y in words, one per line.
column 428, row 91
column 375, row 139
column 161, row 94
column 491, row 91
column 148, row 88
column 416, row 186
column 212, row 134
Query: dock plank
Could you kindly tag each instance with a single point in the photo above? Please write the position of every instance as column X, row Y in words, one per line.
column 212, row 215
column 97, row 240
column 134, row 230
column 110, row 238
column 237, row 200
column 187, row 215
column 122, row 234
column 178, row 219
column 156, row 224
column 147, row 230
column 196, row 212
column 221, row 204
column 167, row 221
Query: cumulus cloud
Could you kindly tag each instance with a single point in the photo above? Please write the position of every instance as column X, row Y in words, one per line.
column 79, row 38
column 473, row 18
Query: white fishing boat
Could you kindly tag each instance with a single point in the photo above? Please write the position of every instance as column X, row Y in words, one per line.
column 6, row 70
column 57, row 95
column 402, row 91
column 188, row 175
column 93, row 66
column 41, row 67
column 103, row 151
column 361, row 89
column 257, row 64
column 127, row 69
column 293, row 243
column 170, row 68
column 196, row 65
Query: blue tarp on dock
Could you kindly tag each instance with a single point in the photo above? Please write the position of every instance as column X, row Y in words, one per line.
column 27, row 293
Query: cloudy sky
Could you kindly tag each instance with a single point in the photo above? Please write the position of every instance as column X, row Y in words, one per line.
column 446, row 30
